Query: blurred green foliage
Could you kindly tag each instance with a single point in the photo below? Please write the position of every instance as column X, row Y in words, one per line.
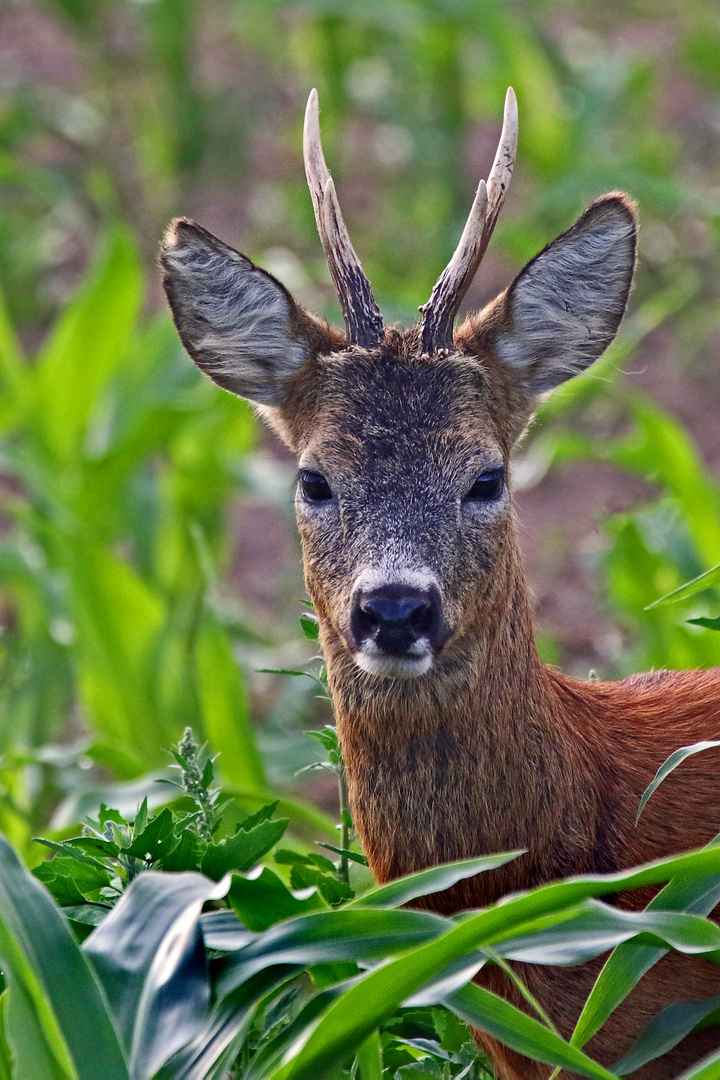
column 117, row 462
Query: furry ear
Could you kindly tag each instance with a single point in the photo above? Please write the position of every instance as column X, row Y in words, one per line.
column 238, row 323
column 563, row 310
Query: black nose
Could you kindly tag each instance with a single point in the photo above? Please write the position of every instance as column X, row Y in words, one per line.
column 396, row 617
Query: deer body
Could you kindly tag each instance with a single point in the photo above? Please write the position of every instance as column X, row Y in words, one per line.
column 457, row 739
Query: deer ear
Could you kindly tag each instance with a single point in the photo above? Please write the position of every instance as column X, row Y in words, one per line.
column 238, row 323
column 563, row 310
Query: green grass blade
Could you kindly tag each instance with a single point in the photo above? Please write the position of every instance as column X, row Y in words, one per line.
column 707, row 1069
column 87, row 345
column 225, row 708
column 369, row 1058
column 665, row 1031
column 38, row 946
column 425, row 882
column 629, row 962
column 520, row 1032
column 667, row 767
column 708, row 580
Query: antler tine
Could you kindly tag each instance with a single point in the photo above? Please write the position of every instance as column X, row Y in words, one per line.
column 439, row 312
column 360, row 311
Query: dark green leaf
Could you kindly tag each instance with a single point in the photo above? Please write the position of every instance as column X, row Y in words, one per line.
column 155, row 839
column 265, row 900
column 243, row 850
column 150, row 956
column 709, row 624
column 666, row 1030
column 42, row 960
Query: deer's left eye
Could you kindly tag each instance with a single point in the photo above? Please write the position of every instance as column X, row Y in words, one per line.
column 488, row 486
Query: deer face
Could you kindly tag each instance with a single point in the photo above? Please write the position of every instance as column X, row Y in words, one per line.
column 403, row 440
column 402, row 502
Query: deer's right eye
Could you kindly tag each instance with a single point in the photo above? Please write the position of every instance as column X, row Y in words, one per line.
column 314, row 487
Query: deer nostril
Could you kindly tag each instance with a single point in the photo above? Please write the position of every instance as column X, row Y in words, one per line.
column 395, row 617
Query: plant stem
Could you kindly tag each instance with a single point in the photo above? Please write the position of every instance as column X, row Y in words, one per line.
column 344, row 826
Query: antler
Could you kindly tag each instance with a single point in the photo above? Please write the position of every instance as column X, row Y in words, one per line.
column 436, row 325
column 360, row 311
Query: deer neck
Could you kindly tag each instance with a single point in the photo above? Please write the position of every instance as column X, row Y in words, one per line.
column 468, row 760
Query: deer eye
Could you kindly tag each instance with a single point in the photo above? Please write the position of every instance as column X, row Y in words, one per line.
column 488, row 486
column 314, row 487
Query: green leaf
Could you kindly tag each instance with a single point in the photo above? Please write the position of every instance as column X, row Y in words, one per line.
column 520, row 1032
column 667, row 767
column 71, row 882
column 373, row 999
column 708, row 580
column 598, row 928
column 184, row 856
column 709, row 624
column 310, row 626
column 665, row 1031
column 42, row 960
column 369, row 1058
column 707, row 1069
column 156, row 838
column 263, row 814
column 225, row 708
column 425, row 882
column 629, row 962
column 329, row 937
column 150, row 957
column 243, row 850
column 263, row 901
column 87, row 345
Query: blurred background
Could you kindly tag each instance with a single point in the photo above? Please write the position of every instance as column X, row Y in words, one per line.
column 149, row 568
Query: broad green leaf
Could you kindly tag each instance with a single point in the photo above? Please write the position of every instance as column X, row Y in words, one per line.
column 38, row 948
column 155, row 839
column 117, row 618
column 708, row 580
column 425, row 882
column 86, row 346
column 665, row 1031
column 230, row 1019
column 150, row 957
column 329, row 937
column 629, row 962
column 369, row 1058
column 243, row 850
column 265, row 900
column 520, row 1032
column 667, row 767
column 225, row 708
column 365, row 1006
column 599, row 928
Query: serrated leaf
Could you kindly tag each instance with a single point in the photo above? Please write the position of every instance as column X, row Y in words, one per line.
column 184, row 856
column 155, row 839
column 263, row 814
column 243, row 850
column 263, row 901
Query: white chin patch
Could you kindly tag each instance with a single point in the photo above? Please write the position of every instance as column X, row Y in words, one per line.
column 393, row 667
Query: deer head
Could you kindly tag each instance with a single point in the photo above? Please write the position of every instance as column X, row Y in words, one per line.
column 404, row 438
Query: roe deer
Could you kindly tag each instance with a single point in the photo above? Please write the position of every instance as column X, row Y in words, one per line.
column 458, row 740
